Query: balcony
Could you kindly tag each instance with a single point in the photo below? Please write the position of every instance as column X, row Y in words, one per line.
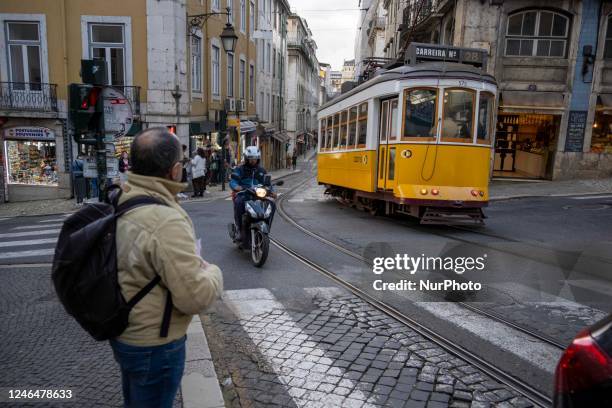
column 28, row 97
column 132, row 94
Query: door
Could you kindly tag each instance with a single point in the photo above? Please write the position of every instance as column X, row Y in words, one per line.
column 386, row 150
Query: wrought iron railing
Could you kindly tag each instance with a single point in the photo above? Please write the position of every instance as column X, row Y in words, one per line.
column 132, row 93
column 28, row 96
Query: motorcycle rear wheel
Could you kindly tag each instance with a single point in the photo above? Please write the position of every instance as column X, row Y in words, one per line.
column 260, row 245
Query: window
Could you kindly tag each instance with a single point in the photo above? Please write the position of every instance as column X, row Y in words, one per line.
column 106, row 41
column 230, row 74
column 268, row 108
column 352, row 127
column 458, row 115
column 243, row 17
column 362, row 125
column 31, row 162
column 242, row 79
column 215, row 70
column 196, row 64
column 336, row 130
column 485, row 118
column 343, row 129
column 273, row 63
column 268, row 57
column 384, row 113
column 393, row 120
column 330, row 132
column 23, row 42
column 420, row 113
column 216, row 5
column 323, row 134
column 537, row 33
column 251, row 83
column 252, row 19
column 608, row 41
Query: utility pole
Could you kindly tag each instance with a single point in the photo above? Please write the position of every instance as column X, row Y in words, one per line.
column 223, row 132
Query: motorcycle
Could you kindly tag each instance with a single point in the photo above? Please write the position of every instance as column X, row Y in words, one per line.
column 256, row 221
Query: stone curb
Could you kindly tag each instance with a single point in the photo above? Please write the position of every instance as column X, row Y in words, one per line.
column 199, row 387
column 575, row 194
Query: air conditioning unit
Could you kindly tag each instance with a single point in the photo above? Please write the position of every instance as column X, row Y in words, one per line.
column 242, row 105
column 230, row 105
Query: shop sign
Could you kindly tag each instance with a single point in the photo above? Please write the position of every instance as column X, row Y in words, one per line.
column 90, row 167
column 233, row 122
column 575, row 131
column 418, row 52
column 118, row 115
column 29, row 133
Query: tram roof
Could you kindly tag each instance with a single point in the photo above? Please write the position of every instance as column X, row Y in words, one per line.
column 422, row 70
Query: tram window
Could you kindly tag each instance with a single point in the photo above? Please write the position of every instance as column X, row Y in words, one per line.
column 485, row 118
column 362, row 125
column 336, row 130
column 323, row 133
column 391, row 168
column 458, row 115
column 393, row 119
column 383, row 121
column 330, row 132
column 420, row 113
column 352, row 127
column 343, row 129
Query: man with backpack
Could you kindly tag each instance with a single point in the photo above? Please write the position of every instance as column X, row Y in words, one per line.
column 163, row 281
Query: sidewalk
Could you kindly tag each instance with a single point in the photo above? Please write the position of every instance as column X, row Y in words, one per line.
column 508, row 189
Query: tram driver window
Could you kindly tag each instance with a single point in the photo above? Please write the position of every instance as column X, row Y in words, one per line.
column 485, row 118
column 458, row 116
column 420, row 113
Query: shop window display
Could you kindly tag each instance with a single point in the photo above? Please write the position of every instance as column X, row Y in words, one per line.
column 31, row 162
column 601, row 141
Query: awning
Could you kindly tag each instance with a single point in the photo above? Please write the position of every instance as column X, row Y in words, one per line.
column 247, row 126
column 197, row 128
column 280, row 136
column 532, row 100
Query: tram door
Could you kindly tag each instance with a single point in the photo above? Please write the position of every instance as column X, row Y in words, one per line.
column 387, row 136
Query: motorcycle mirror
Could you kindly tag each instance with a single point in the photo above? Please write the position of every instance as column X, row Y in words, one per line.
column 279, row 183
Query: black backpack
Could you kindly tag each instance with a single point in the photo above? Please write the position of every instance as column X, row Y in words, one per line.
column 85, row 269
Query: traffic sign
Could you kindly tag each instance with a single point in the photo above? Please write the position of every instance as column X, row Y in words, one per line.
column 118, row 114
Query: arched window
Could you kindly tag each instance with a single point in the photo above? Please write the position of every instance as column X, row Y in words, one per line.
column 537, row 33
column 608, row 41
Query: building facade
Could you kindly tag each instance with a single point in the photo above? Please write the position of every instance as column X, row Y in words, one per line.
column 271, row 87
column 173, row 71
column 348, row 71
column 370, row 39
column 552, row 64
column 302, row 85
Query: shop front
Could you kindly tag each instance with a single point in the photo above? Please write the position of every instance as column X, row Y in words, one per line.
column 601, row 138
column 527, row 134
column 33, row 165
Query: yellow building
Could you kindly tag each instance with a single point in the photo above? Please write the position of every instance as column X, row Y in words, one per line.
column 173, row 73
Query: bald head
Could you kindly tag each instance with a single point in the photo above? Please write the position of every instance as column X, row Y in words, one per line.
column 154, row 152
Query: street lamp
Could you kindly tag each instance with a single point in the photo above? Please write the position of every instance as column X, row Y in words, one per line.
column 228, row 36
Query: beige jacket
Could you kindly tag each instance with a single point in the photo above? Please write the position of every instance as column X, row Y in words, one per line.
column 161, row 239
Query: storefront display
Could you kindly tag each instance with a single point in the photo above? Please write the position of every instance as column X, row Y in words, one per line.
column 31, row 162
column 524, row 144
column 601, row 140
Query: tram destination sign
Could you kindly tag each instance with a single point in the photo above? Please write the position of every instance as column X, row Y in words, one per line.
column 420, row 52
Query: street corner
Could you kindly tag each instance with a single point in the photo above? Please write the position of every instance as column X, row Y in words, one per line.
column 339, row 352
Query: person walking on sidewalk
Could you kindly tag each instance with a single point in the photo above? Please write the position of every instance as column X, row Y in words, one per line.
column 198, row 170
column 294, row 159
column 158, row 240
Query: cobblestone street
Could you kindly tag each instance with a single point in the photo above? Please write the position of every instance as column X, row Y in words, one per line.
column 344, row 353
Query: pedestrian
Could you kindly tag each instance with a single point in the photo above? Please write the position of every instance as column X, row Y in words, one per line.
column 198, row 170
column 124, row 166
column 80, row 188
column 185, row 161
column 214, row 168
column 158, row 240
column 294, row 159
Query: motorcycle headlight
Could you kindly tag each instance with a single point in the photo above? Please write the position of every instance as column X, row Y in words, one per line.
column 250, row 210
column 268, row 211
column 261, row 192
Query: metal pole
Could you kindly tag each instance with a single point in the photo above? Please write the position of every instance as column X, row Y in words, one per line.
column 223, row 131
column 101, row 149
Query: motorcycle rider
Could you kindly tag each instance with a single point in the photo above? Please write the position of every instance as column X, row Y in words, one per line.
column 245, row 176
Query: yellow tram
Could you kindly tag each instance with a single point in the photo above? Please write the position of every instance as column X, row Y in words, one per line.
column 415, row 140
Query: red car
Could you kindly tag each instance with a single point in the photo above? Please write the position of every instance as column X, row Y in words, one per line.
column 584, row 374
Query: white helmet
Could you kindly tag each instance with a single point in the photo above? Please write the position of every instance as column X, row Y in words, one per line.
column 252, row 152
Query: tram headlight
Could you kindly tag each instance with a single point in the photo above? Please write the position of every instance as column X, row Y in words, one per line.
column 261, row 192
column 435, row 191
column 423, row 191
column 474, row 193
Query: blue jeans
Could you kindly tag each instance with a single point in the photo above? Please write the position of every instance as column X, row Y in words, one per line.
column 150, row 375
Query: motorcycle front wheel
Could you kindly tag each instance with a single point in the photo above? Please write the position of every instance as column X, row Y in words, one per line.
column 260, row 244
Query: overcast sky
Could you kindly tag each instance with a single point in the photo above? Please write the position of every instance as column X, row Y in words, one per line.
column 333, row 24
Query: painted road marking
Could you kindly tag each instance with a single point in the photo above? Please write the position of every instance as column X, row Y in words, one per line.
column 53, row 220
column 25, row 254
column 29, row 242
column 29, row 233
column 27, row 227
column 591, row 197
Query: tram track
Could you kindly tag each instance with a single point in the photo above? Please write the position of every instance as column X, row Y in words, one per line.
column 529, row 392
